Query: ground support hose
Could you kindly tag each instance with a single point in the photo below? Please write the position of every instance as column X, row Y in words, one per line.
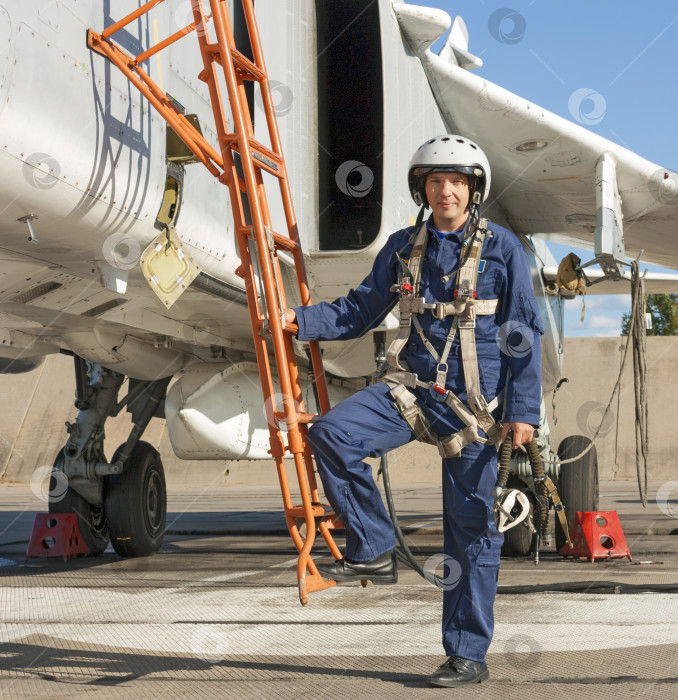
column 404, row 553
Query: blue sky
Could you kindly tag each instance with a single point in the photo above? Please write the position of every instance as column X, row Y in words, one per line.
column 625, row 51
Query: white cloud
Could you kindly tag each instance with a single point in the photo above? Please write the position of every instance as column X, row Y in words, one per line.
column 602, row 317
column 604, row 322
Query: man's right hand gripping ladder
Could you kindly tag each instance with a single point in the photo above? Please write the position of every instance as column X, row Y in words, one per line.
column 240, row 165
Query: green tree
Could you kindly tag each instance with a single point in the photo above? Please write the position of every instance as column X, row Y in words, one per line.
column 664, row 310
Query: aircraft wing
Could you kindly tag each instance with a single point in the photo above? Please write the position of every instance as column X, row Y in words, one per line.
column 543, row 166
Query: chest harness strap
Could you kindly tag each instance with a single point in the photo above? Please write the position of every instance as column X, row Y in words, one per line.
column 464, row 310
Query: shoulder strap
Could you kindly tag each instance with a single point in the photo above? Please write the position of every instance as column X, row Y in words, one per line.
column 414, row 268
column 468, row 272
column 417, row 257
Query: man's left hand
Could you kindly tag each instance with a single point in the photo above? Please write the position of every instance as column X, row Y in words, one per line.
column 522, row 433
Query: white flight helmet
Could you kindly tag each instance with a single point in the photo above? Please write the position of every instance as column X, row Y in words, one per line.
column 449, row 154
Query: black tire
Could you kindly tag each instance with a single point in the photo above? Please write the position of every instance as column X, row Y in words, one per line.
column 577, row 482
column 136, row 503
column 518, row 541
column 91, row 518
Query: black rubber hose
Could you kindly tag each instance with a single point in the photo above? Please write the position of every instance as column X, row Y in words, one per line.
column 539, row 476
column 504, row 460
column 404, row 554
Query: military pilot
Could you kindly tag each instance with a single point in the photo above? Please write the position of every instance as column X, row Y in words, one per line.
column 467, row 353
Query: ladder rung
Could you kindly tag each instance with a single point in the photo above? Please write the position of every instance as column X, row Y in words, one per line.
column 306, row 417
column 247, row 69
column 266, row 158
column 301, row 417
column 319, row 511
column 262, row 157
column 284, row 242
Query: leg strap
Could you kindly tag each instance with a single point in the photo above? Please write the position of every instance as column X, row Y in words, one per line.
column 411, row 411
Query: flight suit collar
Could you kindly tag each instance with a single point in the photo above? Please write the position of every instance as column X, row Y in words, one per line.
column 456, row 235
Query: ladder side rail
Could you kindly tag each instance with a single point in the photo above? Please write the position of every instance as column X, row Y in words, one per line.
column 243, row 129
column 288, row 206
column 245, row 270
column 263, row 360
column 308, row 457
column 293, row 401
column 210, row 77
column 223, row 31
column 307, row 476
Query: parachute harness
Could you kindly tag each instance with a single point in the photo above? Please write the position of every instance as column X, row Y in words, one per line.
column 465, row 308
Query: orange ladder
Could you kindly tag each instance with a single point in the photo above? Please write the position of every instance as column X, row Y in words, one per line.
column 256, row 241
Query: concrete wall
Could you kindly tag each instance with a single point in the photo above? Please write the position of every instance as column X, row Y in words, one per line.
column 34, row 407
column 592, row 366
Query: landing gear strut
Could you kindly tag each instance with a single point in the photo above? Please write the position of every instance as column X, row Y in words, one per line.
column 91, row 518
column 125, row 498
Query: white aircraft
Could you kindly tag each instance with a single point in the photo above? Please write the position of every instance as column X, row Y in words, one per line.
column 91, row 176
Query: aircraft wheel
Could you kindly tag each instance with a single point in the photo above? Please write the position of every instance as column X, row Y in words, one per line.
column 577, row 482
column 136, row 503
column 91, row 519
column 518, row 541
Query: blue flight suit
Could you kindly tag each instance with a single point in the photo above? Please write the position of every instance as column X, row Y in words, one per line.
column 369, row 424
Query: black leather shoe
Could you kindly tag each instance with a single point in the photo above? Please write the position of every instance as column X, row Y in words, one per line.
column 457, row 672
column 381, row 570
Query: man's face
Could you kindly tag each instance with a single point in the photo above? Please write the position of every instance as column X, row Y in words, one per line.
column 448, row 196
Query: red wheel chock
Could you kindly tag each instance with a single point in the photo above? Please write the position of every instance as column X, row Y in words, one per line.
column 56, row 535
column 597, row 535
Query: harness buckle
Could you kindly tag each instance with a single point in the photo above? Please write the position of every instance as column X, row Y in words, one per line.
column 465, row 291
column 437, row 392
column 468, row 320
column 403, row 287
column 439, row 310
column 480, row 402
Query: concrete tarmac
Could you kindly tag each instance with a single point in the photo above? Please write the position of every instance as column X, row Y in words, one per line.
column 215, row 613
